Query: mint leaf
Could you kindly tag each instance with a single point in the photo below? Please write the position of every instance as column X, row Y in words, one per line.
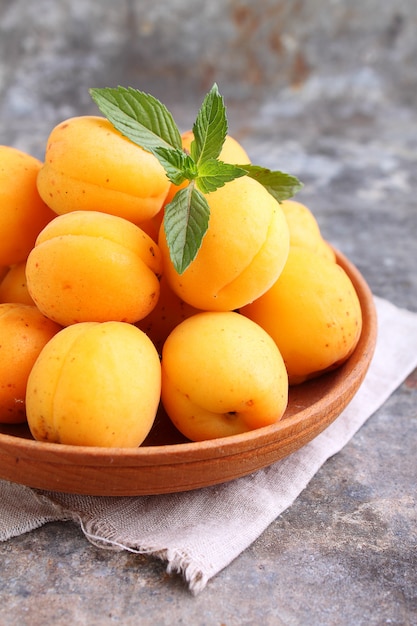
column 210, row 128
column 138, row 116
column 186, row 221
column 213, row 174
column 279, row 184
column 178, row 165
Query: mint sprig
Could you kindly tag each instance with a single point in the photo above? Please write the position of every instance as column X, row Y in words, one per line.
column 144, row 120
column 178, row 165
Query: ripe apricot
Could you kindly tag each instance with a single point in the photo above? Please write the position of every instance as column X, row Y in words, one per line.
column 23, row 213
column 312, row 312
column 13, row 287
column 24, row 331
column 242, row 253
column 91, row 266
column 151, row 226
column 95, row 384
column 169, row 311
column 304, row 229
column 90, row 166
column 222, row 374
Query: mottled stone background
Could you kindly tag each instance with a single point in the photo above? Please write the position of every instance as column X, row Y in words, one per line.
column 355, row 55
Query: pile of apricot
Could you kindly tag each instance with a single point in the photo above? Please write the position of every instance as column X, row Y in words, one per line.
column 98, row 329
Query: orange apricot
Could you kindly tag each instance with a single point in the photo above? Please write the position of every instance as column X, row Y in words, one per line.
column 90, row 166
column 169, row 311
column 312, row 312
column 91, row 266
column 23, row 213
column 304, row 229
column 24, row 331
column 152, row 225
column 95, row 384
column 242, row 253
column 222, row 375
column 13, row 287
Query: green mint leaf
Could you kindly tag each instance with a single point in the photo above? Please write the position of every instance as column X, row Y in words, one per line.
column 186, row 220
column 138, row 116
column 213, row 174
column 279, row 184
column 178, row 165
column 210, row 128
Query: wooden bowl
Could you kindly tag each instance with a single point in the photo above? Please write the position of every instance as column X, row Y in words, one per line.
column 168, row 463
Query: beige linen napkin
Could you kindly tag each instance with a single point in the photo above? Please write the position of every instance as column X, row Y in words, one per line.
column 199, row 533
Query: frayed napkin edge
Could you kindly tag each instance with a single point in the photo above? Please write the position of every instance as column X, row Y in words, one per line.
column 177, row 562
column 101, row 536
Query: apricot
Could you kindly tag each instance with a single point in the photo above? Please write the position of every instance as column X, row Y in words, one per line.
column 95, row 384
column 23, row 213
column 24, row 331
column 325, row 250
column 242, row 253
column 222, row 375
column 312, row 312
column 90, row 166
column 152, row 225
column 169, row 311
column 304, row 229
column 91, row 266
column 13, row 287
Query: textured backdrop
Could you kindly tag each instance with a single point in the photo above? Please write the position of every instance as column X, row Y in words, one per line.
column 52, row 52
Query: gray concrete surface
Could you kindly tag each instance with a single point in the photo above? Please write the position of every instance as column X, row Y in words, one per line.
column 326, row 90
